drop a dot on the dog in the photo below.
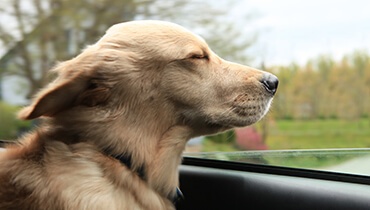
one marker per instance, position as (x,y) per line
(117,118)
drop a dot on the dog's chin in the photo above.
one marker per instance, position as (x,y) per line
(207,126)
(230,124)
(212,128)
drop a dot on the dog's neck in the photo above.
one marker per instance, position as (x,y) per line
(154,148)
(163,170)
(156,158)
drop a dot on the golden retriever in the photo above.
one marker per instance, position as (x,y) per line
(118,116)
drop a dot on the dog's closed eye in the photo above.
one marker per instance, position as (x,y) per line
(199,56)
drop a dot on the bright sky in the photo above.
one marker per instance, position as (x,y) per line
(292,30)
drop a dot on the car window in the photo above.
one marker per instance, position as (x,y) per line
(319,50)
(320,115)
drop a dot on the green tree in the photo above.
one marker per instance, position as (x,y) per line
(50,30)
(283,101)
(360,61)
(325,88)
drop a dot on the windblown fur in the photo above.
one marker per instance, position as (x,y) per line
(143,90)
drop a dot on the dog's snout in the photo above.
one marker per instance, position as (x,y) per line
(270,82)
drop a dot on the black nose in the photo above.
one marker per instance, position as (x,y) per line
(270,82)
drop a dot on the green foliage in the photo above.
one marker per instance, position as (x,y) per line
(324,88)
(223,138)
(220,142)
(211,146)
(9,124)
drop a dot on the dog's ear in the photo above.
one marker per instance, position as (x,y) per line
(54,99)
(67,92)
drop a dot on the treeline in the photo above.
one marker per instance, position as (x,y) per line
(324,88)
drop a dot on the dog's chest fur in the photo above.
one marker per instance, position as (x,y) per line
(54,175)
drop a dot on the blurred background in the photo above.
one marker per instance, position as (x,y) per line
(318,49)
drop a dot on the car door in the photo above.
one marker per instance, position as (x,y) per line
(215,184)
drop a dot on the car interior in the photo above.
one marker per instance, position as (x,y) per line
(215,184)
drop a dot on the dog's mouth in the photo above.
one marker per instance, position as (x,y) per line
(237,115)
(245,115)
(248,111)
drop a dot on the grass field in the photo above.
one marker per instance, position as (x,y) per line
(307,134)
(319,134)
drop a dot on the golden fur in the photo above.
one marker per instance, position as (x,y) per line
(143,90)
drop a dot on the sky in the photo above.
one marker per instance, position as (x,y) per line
(292,30)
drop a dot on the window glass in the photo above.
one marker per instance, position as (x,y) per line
(319,50)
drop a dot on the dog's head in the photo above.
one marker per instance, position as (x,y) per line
(155,72)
